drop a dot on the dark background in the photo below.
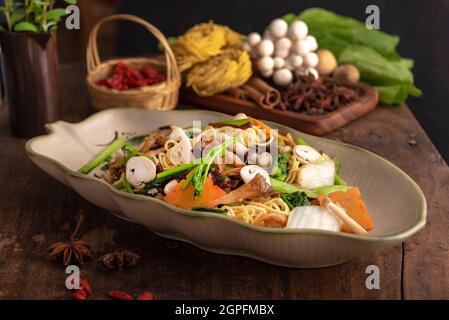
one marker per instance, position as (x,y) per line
(423,26)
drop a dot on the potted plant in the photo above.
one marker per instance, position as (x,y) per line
(30,63)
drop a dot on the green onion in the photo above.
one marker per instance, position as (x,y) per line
(213,210)
(103,155)
(237,123)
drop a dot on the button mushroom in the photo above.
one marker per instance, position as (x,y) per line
(298,30)
(140,170)
(283,77)
(278,28)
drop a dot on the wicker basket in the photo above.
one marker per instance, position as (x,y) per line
(161,96)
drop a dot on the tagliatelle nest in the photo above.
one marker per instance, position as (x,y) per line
(212,59)
(230,69)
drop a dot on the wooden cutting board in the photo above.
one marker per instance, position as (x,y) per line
(317,125)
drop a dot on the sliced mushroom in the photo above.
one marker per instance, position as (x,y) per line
(169,187)
(140,170)
(248,173)
(306,153)
(184,150)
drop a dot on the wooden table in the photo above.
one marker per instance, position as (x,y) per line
(36,211)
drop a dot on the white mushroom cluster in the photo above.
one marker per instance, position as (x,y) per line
(284,51)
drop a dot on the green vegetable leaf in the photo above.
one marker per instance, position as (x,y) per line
(300,141)
(25,27)
(17,16)
(71,1)
(56,14)
(281,166)
(392,95)
(295,199)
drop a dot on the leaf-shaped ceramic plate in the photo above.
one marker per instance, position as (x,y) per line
(395,201)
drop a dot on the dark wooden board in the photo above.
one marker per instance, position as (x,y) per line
(36,210)
(317,125)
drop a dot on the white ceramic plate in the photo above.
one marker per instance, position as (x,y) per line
(395,201)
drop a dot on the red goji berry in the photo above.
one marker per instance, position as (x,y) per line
(119,295)
(85,286)
(146,296)
(80,294)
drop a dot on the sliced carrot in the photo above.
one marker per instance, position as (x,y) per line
(268,129)
(185,199)
(355,207)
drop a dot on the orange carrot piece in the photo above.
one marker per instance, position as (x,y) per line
(355,207)
(184,198)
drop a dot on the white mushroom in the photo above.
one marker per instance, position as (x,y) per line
(281,53)
(283,77)
(295,61)
(169,187)
(265,48)
(278,28)
(306,153)
(253,39)
(265,63)
(278,62)
(283,44)
(301,47)
(249,172)
(267,74)
(313,44)
(298,30)
(311,60)
(140,170)
(247,47)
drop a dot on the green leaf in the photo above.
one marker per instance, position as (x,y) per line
(71,1)
(55,14)
(25,27)
(295,199)
(237,123)
(17,16)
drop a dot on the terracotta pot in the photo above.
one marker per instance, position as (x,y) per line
(31,78)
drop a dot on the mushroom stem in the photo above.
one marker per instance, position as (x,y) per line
(341,213)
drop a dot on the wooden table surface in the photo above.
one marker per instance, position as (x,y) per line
(36,210)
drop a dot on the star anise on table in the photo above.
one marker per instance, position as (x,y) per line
(119,259)
(72,248)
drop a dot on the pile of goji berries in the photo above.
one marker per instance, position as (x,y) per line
(84,291)
(125,77)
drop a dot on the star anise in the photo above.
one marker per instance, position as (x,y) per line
(72,248)
(119,259)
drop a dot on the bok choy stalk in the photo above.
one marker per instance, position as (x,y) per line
(199,174)
(288,188)
(103,155)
